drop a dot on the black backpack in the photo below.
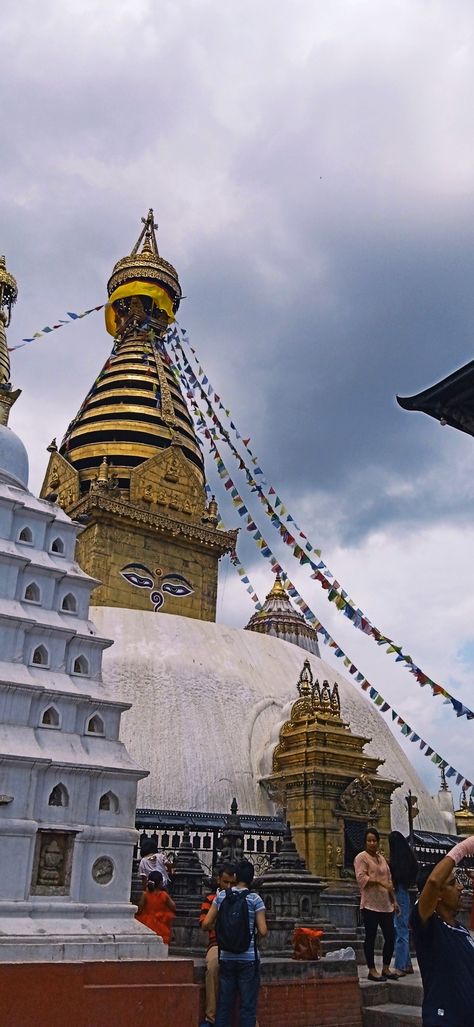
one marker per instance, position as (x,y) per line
(232,925)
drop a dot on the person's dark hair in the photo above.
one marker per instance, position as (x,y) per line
(227,868)
(371,830)
(403,862)
(245,872)
(148,846)
(155,880)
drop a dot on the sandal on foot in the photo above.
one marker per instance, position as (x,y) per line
(377,980)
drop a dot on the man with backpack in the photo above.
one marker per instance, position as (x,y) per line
(225,878)
(239,916)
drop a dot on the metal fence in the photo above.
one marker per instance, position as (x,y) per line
(261,835)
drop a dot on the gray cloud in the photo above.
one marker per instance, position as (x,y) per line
(312,174)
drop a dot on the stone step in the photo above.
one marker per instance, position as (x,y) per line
(405,992)
(392,1015)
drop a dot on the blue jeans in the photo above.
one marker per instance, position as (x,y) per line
(242,976)
(402,933)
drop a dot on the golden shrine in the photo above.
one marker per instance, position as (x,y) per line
(130,467)
(330,789)
(464,817)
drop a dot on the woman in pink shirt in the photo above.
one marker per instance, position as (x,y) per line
(377,902)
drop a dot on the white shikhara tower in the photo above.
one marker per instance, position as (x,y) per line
(68,786)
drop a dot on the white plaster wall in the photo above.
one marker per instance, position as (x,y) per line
(208,701)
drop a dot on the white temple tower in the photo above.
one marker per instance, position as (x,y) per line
(68,785)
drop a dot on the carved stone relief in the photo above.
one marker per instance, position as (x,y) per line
(52,863)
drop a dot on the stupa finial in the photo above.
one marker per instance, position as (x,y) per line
(147,234)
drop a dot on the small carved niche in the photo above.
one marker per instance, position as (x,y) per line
(52,863)
(109,802)
(59,796)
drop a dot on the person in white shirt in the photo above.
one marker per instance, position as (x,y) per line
(153,860)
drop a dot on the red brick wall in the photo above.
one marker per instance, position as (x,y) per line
(311,1003)
(109,994)
(122,994)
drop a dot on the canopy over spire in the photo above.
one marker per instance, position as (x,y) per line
(145,274)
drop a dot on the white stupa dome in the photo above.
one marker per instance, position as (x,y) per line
(208,703)
(13,459)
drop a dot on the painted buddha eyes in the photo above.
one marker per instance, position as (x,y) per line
(172,584)
(131,573)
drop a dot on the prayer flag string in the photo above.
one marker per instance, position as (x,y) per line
(71,316)
(288,529)
(262,545)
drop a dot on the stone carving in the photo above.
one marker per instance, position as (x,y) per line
(52,864)
(359,797)
(103,870)
(231,842)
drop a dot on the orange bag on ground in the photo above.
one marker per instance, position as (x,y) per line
(307,943)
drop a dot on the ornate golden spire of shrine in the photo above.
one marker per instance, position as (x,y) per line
(278,617)
(130,458)
(8,296)
(324,779)
(135,407)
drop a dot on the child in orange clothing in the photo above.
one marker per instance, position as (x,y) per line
(156,908)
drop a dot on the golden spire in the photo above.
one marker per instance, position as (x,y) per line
(135,408)
(277,590)
(8,296)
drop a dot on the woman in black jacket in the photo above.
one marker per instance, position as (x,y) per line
(404,868)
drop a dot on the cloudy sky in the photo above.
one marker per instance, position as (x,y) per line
(311,169)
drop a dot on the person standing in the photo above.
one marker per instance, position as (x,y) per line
(378,904)
(225,877)
(404,869)
(444,948)
(239,972)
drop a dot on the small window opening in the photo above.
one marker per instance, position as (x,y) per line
(109,802)
(32,593)
(26,535)
(57,546)
(69,603)
(59,796)
(40,656)
(95,725)
(81,665)
(50,717)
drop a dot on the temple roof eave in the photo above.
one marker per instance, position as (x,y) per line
(197,534)
(450,400)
